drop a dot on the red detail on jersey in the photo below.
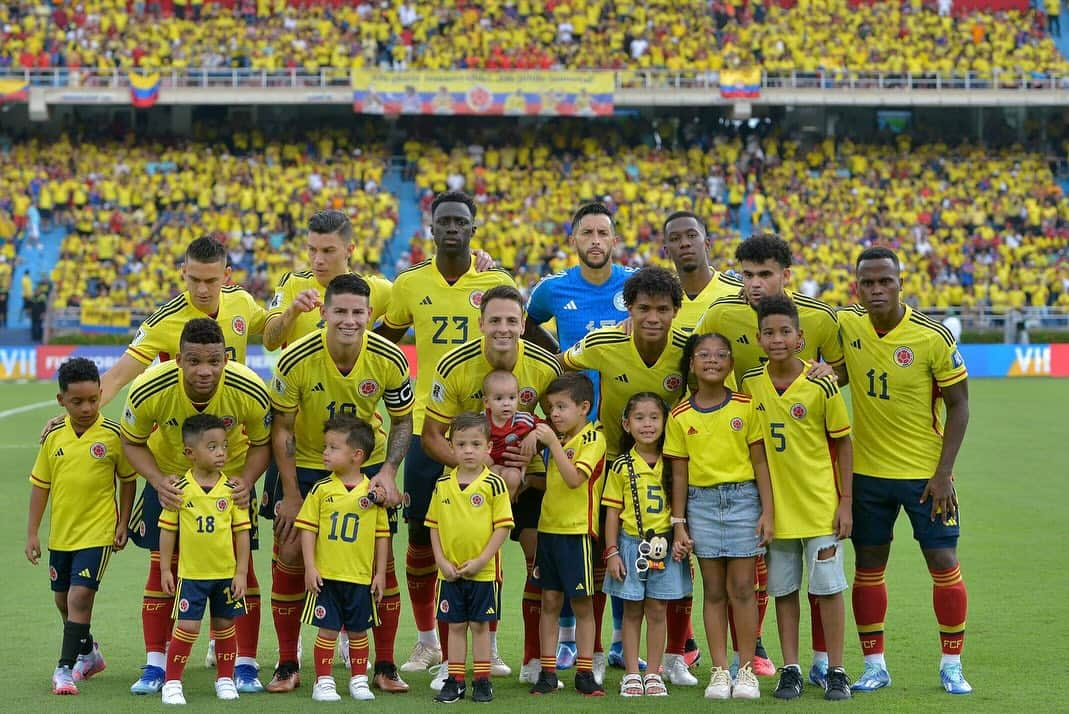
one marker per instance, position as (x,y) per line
(222,504)
(672,382)
(229,422)
(238,325)
(98,450)
(736,424)
(798,410)
(903,356)
(528,395)
(368,387)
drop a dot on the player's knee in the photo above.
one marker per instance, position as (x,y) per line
(552,600)
(80,601)
(941,558)
(477,628)
(655,610)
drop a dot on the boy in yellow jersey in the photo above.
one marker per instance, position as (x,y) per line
(568,527)
(440,299)
(904,364)
(343,369)
(199,380)
(469,517)
(345,540)
(810,461)
(77,465)
(294,309)
(213,564)
(686,243)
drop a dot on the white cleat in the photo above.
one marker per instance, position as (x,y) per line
(498,668)
(172,692)
(423,657)
(676,671)
(225,689)
(325,690)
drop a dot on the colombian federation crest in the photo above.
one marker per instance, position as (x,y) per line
(238,325)
(183,605)
(229,422)
(672,382)
(736,424)
(798,410)
(903,356)
(476,500)
(444,607)
(222,504)
(475,297)
(320,612)
(368,387)
(528,395)
(98,450)
(365,503)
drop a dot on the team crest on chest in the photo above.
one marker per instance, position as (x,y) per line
(618,301)
(229,422)
(475,297)
(476,500)
(368,387)
(672,382)
(238,325)
(528,395)
(798,410)
(222,504)
(903,356)
(570,453)
(736,424)
(365,503)
(98,450)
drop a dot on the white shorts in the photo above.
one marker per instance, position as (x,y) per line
(784,560)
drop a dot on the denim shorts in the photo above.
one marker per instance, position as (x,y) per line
(723,520)
(785,559)
(672,583)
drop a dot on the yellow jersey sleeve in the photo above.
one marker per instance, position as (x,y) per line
(501,510)
(168,520)
(41,475)
(613,495)
(447,392)
(433,517)
(948,366)
(283,296)
(398,312)
(308,516)
(836,418)
(158,335)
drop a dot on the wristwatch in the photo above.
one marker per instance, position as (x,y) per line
(677,521)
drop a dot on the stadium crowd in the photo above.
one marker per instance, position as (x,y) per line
(812,35)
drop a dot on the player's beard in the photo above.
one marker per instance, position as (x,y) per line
(585,260)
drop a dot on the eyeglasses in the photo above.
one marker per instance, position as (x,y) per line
(709,354)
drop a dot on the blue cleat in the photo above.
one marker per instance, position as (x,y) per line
(151,681)
(247,679)
(566,654)
(616,657)
(954,680)
(818,673)
(874,677)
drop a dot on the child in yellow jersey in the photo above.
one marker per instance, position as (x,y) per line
(641,568)
(345,539)
(805,422)
(721,503)
(213,561)
(77,465)
(469,518)
(568,526)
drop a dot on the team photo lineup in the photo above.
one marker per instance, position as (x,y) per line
(671,426)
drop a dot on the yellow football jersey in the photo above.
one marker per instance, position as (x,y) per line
(157,405)
(206,524)
(467,516)
(346,524)
(623,373)
(239,315)
(443,316)
(799,427)
(716,441)
(653,502)
(722,285)
(736,319)
(291,284)
(80,473)
(574,511)
(895,381)
(307,381)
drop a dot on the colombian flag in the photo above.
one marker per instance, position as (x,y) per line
(144,89)
(14,90)
(740,83)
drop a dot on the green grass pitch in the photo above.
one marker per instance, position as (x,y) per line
(1010,486)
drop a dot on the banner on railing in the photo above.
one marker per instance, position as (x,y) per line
(516,93)
(144,89)
(14,90)
(740,83)
(94,318)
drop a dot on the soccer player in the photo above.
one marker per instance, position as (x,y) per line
(765,264)
(646,360)
(807,438)
(344,369)
(213,563)
(686,244)
(456,386)
(77,465)
(439,298)
(345,542)
(200,379)
(903,365)
(470,516)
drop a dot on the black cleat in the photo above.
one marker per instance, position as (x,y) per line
(838,685)
(452,691)
(586,685)
(790,684)
(482,691)
(547,683)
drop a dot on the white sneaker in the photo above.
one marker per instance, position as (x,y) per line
(343,648)
(719,684)
(676,671)
(441,673)
(746,685)
(598,666)
(359,690)
(209,658)
(498,668)
(225,689)
(423,657)
(172,692)
(325,690)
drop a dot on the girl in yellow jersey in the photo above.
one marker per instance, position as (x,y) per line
(721,503)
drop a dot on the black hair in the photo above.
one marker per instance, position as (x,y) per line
(346,284)
(207,249)
(592,209)
(878,252)
(201,331)
(576,385)
(358,433)
(197,424)
(77,369)
(470,420)
(331,221)
(777,305)
(768,246)
(627,441)
(684,214)
(453,197)
(653,280)
(688,354)
(501,292)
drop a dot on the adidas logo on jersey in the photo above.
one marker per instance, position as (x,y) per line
(744,340)
(426,301)
(691,431)
(172,422)
(446,502)
(189,504)
(59,452)
(570,305)
(490,611)
(856,344)
(622,378)
(761,407)
(318,387)
(579,588)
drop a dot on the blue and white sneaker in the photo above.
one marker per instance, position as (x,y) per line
(818,673)
(566,655)
(151,681)
(953,679)
(247,679)
(616,657)
(874,677)
(733,668)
